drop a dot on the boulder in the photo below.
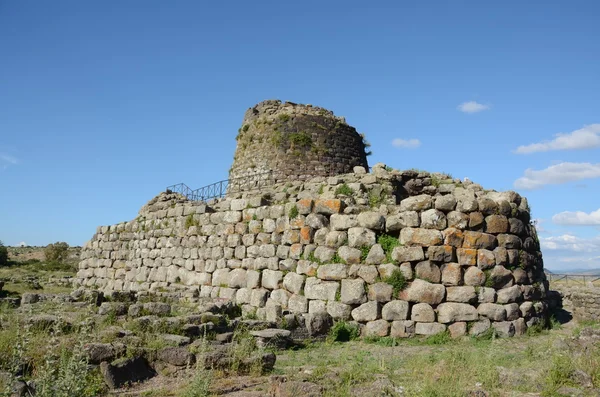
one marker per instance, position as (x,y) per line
(126,371)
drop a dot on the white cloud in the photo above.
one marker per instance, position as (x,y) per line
(577,218)
(538,225)
(557,174)
(8,159)
(584,138)
(406,143)
(472,107)
(570,242)
(22,244)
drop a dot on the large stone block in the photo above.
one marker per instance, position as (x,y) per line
(293,282)
(407,254)
(479,240)
(421,237)
(271,278)
(378,328)
(321,290)
(353,291)
(360,237)
(429,328)
(395,310)
(371,220)
(433,219)
(428,271)
(380,292)
(422,291)
(343,222)
(416,203)
(332,271)
(422,312)
(464,294)
(366,312)
(492,311)
(450,312)
(451,274)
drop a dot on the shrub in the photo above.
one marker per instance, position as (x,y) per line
(343,332)
(3,255)
(57,252)
(284,117)
(397,281)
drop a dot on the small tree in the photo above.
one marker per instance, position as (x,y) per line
(3,255)
(57,252)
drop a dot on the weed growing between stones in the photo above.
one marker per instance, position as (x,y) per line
(293,212)
(344,190)
(388,243)
(397,281)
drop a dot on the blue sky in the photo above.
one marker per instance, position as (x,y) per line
(104,104)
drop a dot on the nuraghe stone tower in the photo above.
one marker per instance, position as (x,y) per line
(295,142)
(397,252)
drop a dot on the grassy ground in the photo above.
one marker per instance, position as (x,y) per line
(558,362)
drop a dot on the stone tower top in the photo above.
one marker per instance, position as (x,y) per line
(295,142)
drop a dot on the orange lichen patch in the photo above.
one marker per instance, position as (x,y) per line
(306,234)
(328,207)
(295,250)
(479,240)
(453,237)
(467,256)
(305,206)
(297,222)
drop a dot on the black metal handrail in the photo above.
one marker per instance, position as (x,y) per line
(221,188)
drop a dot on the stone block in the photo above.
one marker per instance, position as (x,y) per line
(407,254)
(457,329)
(342,222)
(339,310)
(332,271)
(376,255)
(378,328)
(466,256)
(416,203)
(271,278)
(422,312)
(371,220)
(366,312)
(428,271)
(464,294)
(402,329)
(429,328)
(380,292)
(353,291)
(433,219)
(442,253)
(509,295)
(321,290)
(504,329)
(492,311)
(420,237)
(496,224)
(328,206)
(360,237)
(451,274)
(450,312)
(395,310)
(422,291)
(479,240)
(293,282)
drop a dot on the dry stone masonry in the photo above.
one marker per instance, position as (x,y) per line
(295,141)
(339,246)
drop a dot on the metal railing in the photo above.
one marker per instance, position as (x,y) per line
(576,279)
(221,188)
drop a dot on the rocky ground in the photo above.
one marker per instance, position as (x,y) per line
(59,342)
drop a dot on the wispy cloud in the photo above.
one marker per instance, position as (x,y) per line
(406,143)
(569,242)
(577,218)
(8,159)
(584,138)
(557,174)
(472,107)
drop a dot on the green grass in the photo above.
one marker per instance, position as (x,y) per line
(388,243)
(293,213)
(344,190)
(397,281)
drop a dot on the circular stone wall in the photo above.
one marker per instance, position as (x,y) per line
(295,142)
